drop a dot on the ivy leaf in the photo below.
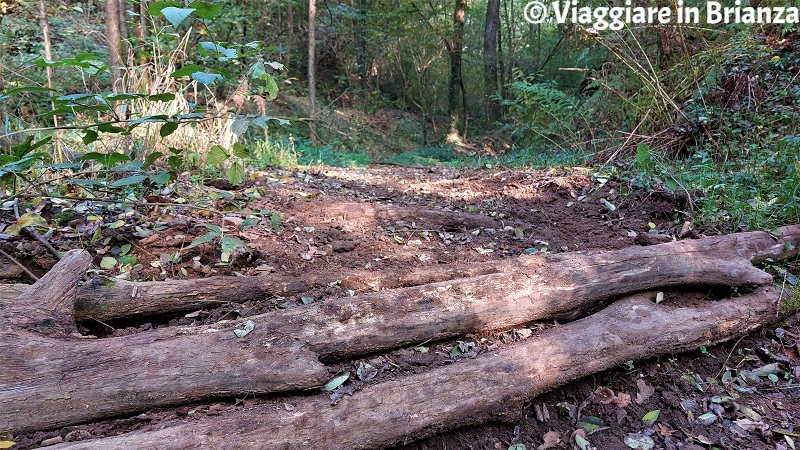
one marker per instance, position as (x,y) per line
(176,15)
(216,155)
(235,174)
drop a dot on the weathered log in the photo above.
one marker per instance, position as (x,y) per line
(108,299)
(282,352)
(493,386)
(49,377)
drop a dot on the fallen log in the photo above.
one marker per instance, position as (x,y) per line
(50,376)
(107,299)
(283,351)
(493,386)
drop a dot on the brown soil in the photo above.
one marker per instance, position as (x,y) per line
(396,219)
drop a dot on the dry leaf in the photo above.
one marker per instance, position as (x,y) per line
(645,391)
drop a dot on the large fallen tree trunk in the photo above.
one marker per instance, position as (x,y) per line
(108,299)
(494,386)
(44,382)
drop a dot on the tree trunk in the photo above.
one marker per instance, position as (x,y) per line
(43,384)
(455,84)
(111,299)
(60,157)
(490,60)
(362,48)
(493,386)
(312,69)
(114,44)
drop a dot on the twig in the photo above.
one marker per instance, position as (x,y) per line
(24,269)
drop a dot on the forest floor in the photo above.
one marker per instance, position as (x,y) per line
(387,218)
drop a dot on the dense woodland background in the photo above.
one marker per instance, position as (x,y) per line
(707,112)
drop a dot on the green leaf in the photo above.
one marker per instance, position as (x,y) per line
(228,244)
(175,162)
(108,263)
(235,174)
(205,10)
(239,127)
(155,8)
(651,417)
(216,155)
(90,137)
(165,97)
(161,178)
(151,158)
(223,53)
(248,327)
(240,150)
(26,220)
(186,71)
(168,128)
(208,237)
(125,249)
(336,382)
(127,181)
(207,78)
(590,423)
(213,228)
(6,444)
(176,15)
(639,441)
(271,87)
(108,128)
(127,260)
(117,224)
(108,160)
(582,443)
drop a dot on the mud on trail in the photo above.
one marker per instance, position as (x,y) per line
(352,229)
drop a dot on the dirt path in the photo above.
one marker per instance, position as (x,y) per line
(353,223)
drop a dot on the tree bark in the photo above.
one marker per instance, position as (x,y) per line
(110,299)
(312,69)
(491,31)
(114,44)
(43,383)
(455,84)
(493,386)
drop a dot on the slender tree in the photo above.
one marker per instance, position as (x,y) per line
(48,53)
(362,47)
(491,31)
(456,83)
(114,44)
(312,67)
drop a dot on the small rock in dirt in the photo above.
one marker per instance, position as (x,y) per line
(620,415)
(77,435)
(551,440)
(344,246)
(233,220)
(216,409)
(206,270)
(183,411)
(178,221)
(197,265)
(52,441)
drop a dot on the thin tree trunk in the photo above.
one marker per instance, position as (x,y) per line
(362,48)
(312,68)
(114,44)
(491,31)
(49,55)
(455,85)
